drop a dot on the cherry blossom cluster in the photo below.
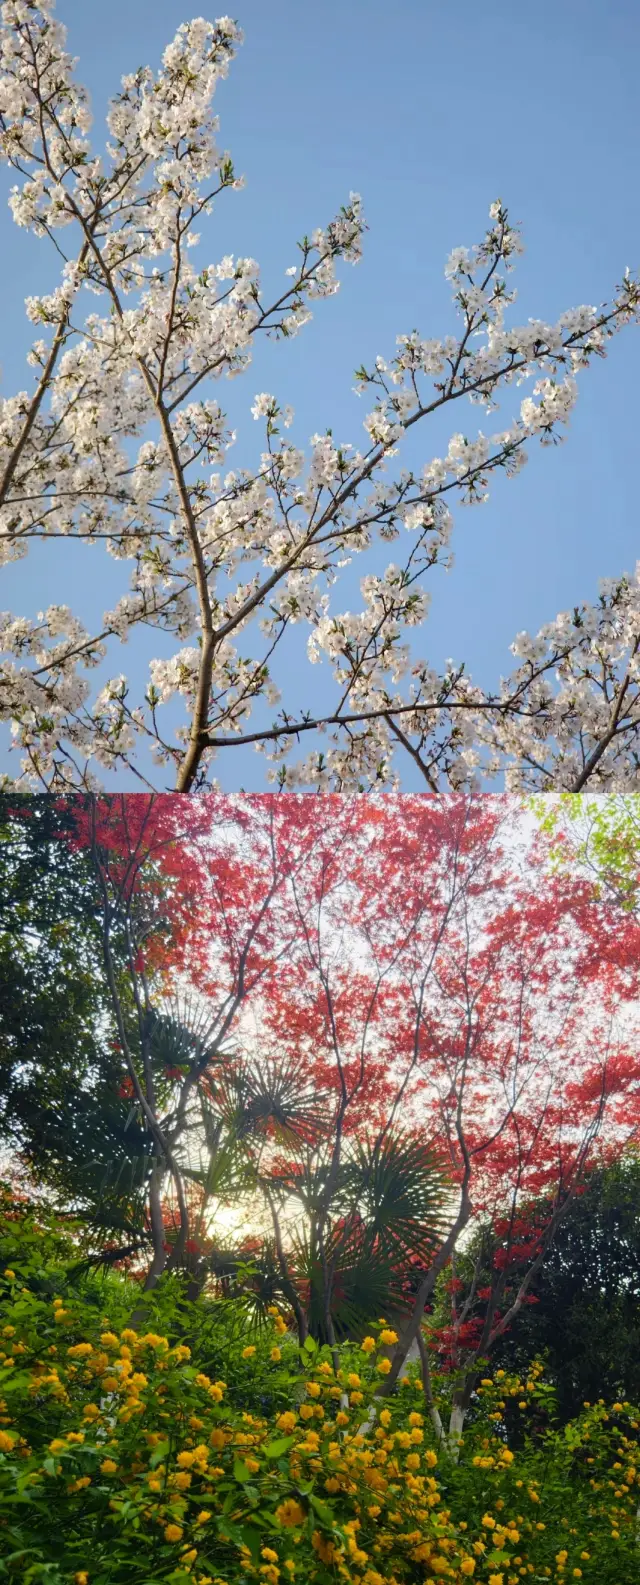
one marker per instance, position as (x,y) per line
(120,442)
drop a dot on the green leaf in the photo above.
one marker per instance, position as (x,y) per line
(251,1538)
(322,1509)
(230,1531)
(268,1519)
(240,1471)
(277,1448)
(310,1346)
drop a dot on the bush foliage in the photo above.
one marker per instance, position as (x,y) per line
(129,1455)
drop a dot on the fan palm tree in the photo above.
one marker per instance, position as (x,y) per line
(356,1236)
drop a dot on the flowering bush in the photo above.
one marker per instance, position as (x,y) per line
(123,1462)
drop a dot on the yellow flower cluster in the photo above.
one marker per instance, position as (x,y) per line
(348,1490)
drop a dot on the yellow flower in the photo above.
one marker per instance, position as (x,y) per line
(389,1337)
(185,1460)
(153,1340)
(577,1573)
(342,1418)
(247,1353)
(173,1532)
(431,1458)
(79,1350)
(275,1355)
(9,1273)
(487,1522)
(108,1466)
(182,1480)
(368,1344)
(81,1577)
(467,1565)
(384,1366)
(108,1340)
(6,1442)
(189,1556)
(91,1412)
(269,1555)
(57,1445)
(313,1389)
(353,1380)
(290,1513)
(495,1579)
(286,1421)
(325,1548)
(385,1417)
(204,1517)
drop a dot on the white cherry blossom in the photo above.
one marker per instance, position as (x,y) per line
(118,440)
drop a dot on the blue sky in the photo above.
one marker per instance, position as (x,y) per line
(430,111)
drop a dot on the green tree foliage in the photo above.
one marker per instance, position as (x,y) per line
(584,1318)
(60,1106)
(600,836)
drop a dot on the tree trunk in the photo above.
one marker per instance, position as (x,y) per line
(456,1422)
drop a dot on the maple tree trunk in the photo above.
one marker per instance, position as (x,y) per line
(459,1411)
(157,1229)
(434,1412)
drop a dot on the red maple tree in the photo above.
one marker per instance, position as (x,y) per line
(434,978)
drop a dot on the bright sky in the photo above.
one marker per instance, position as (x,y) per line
(430,110)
